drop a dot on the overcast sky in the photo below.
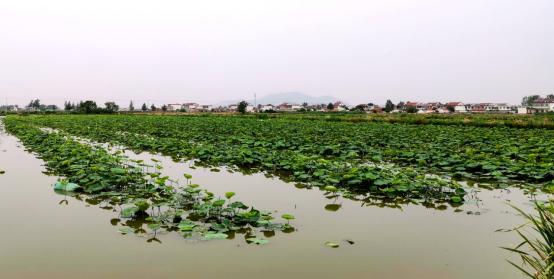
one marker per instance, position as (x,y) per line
(208,51)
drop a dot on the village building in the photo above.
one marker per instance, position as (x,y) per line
(265,108)
(173,107)
(205,108)
(10,108)
(498,108)
(522,110)
(339,106)
(288,107)
(543,105)
(458,107)
(191,107)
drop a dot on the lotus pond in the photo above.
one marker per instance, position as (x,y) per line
(167,197)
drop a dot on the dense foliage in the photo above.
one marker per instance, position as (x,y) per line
(387,160)
(545,121)
(120,182)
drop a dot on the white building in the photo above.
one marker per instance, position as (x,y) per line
(288,107)
(190,107)
(459,107)
(498,108)
(173,107)
(543,105)
(522,110)
(206,108)
(267,107)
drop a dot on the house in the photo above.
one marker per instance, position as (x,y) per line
(173,107)
(233,107)
(191,107)
(498,108)
(418,106)
(9,108)
(410,105)
(522,110)
(478,108)
(433,106)
(288,107)
(542,105)
(205,108)
(459,107)
(268,107)
(339,106)
(377,109)
(442,110)
(220,109)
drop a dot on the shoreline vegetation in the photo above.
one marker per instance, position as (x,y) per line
(140,196)
(525,121)
(536,249)
(420,163)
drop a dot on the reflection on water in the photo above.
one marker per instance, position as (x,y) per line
(47,235)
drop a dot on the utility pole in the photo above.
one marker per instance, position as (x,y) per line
(255,102)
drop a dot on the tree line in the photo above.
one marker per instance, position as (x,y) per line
(529,100)
(90,107)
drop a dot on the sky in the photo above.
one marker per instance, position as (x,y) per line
(210,51)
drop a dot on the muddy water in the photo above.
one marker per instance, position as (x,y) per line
(40,238)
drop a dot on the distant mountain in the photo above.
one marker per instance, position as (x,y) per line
(288,97)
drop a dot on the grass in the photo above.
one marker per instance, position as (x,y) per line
(537,252)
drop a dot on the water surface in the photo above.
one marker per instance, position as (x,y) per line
(41,238)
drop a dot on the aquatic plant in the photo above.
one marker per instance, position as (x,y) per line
(536,252)
(144,197)
(411,162)
(332,244)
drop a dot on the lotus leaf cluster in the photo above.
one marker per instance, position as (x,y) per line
(144,198)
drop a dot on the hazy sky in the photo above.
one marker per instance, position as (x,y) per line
(207,51)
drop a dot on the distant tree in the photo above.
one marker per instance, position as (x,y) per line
(34,104)
(305,105)
(450,109)
(411,109)
(550,96)
(389,106)
(144,107)
(89,107)
(131,106)
(330,106)
(153,107)
(528,100)
(360,107)
(164,108)
(400,105)
(48,108)
(111,107)
(241,107)
(67,106)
